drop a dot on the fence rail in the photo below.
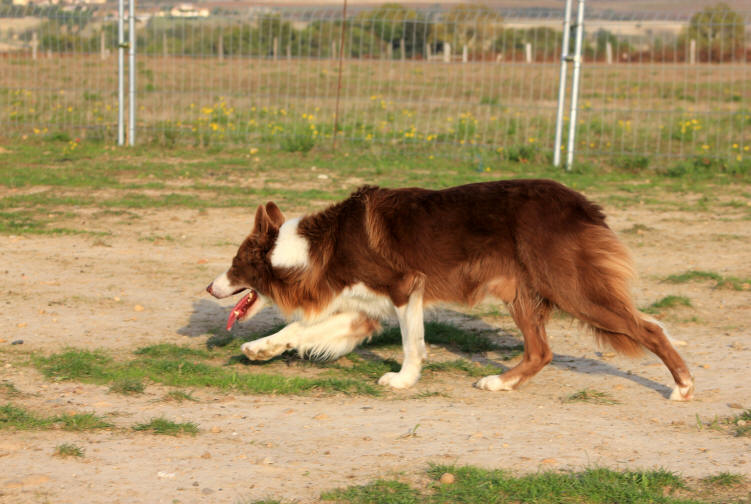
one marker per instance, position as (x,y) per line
(467,76)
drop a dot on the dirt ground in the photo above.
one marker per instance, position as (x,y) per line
(144,284)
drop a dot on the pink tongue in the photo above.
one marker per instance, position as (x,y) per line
(240,309)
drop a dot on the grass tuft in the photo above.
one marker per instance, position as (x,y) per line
(739,284)
(179,396)
(666,303)
(15,417)
(167,427)
(592,397)
(127,386)
(68,450)
(725,479)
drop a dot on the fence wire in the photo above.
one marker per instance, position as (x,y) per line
(652,85)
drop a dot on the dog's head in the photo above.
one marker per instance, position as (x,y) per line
(251,267)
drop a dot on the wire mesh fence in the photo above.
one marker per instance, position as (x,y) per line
(652,85)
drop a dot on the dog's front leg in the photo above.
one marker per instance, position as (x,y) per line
(413,342)
(269,347)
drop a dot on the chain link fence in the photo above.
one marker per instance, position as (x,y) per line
(651,86)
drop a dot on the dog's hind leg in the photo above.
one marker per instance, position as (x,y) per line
(530,314)
(331,338)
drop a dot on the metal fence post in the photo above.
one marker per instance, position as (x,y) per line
(120,73)
(132,72)
(562,85)
(575,85)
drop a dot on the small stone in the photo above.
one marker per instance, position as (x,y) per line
(206,455)
(138,307)
(447,479)
(207,491)
(21,325)
(549,461)
(735,405)
(320,416)
(203,261)
(705,366)
(195,483)
(216,430)
(17,342)
(165,475)
(289,411)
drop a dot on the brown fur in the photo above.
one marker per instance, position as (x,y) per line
(534,244)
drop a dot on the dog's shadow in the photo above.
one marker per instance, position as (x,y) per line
(208,316)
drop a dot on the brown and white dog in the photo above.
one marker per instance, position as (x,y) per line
(532,244)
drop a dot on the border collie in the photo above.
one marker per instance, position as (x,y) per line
(535,245)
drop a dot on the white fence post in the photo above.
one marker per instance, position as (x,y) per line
(120,73)
(465,54)
(447,53)
(562,85)
(528,52)
(34,45)
(609,52)
(132,72)
(692,52)
(575,85)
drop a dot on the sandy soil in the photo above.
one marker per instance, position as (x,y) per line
(84,291)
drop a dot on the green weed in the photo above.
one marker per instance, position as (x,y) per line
(739,284)
(127,386)
(68,450)
(666,303)
(167,427)
(21,419)
(725,479)
(591,396)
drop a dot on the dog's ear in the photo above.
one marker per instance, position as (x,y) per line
(275,215)
(267,220)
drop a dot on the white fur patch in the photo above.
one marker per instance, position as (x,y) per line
(496,382)
(685,393)
(221,286)
(290,250)
(356,298)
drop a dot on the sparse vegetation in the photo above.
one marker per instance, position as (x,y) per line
(592,397)
(167,427)
(739,284)
(127,386)
(16,417)
(69,450)
(667,303)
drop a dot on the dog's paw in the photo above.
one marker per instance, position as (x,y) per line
(260,350)
(398,380)
(496,382)
(685,393)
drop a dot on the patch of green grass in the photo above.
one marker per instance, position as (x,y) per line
(127,386)
(96,367)
(725,479)
(19,418)
(666,303)
(591,396)
(440,333)
(472,369)
(637,229)
(739,284)
(179,396)
(378,492)
(163,426)
(82,422)
(68,450)
(9,390)
(742,424)
(473,485)
(172,351)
